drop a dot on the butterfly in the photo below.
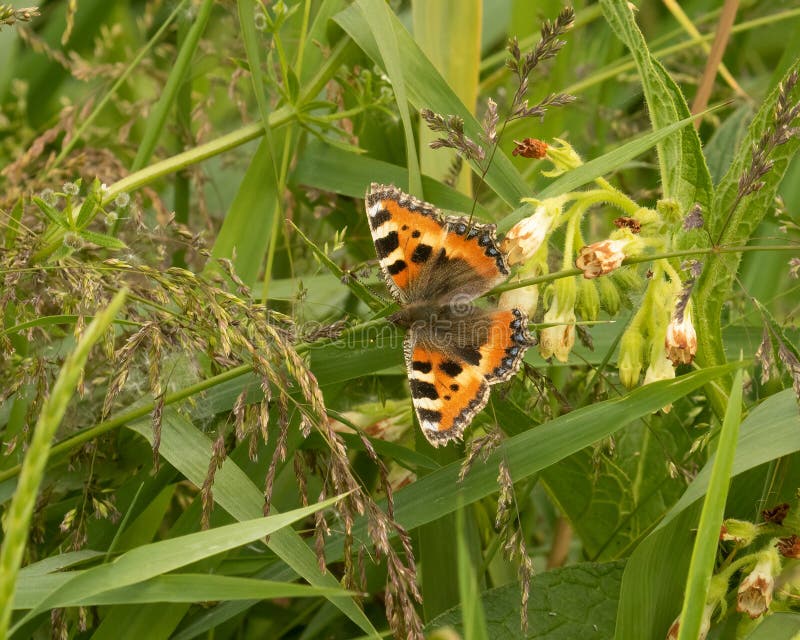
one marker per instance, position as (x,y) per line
(435,265)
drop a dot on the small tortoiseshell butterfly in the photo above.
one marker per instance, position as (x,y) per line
(435,266)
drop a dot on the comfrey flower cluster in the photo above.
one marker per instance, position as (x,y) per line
(768,576)
(661,335)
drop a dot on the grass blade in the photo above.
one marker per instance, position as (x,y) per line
(704,554)
(24,500)
(158,119)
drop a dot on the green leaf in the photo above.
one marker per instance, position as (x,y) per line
(731,222)
(573,602)
(704,554)
(777,626)
(614,501)
(471,607)
(440,28)
(438,493)
(173,587)
(55,216)
(329,168)
(89,205)
(652,587)
(164,556)
(244,237)
(102,240)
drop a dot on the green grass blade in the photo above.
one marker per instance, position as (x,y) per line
(704,554)
(158,118)
(33,467)
(244,237)
(333,169)
(441,28)
(162,557)
(379,18)
(471,607)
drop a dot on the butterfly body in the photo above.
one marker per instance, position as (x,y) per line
(435,266)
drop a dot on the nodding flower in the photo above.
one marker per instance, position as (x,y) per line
(681,341)
(755,591)
(600,258)
(526,237)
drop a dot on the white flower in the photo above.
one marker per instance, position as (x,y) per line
(755,591)
(681,342)
(558,340)
(526,237)
(600,258)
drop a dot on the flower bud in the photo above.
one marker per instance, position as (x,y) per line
(558,340)
(563,157)
(681,342)
(526,237)
(610,298)
(629,362)
(600,258)
(755,592)
(742,532)
(588,300)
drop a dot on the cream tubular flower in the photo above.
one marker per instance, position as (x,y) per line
(558,340)
(600,258)
(755,591)
(680,344)
(526,237)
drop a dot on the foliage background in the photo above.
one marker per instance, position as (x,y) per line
(244,140)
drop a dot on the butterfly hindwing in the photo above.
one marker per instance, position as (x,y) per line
(446,392)
(451,365)
(425,256)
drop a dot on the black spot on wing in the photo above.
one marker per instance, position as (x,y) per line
(429,415)
(423,367)
(416,234)
(379,218)
(421,253)
(396,267)
(451,368)
(454,387)
(470,355)
(420,389)
(388,243)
